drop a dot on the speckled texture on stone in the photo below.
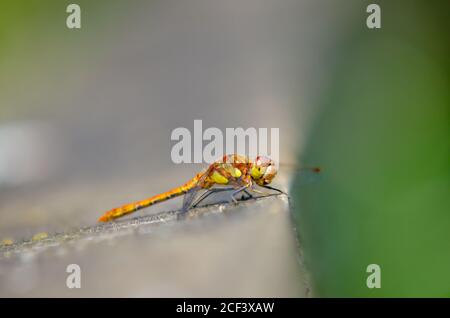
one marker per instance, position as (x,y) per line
(222,250)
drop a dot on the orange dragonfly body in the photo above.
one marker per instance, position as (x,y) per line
(236,172)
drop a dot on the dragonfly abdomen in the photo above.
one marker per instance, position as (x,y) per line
(132,207)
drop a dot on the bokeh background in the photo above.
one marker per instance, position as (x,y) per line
(382,135)
(86,117)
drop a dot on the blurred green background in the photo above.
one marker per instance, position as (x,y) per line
(38,54)
(382,137)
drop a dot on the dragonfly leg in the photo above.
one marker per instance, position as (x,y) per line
(250,196)
(232,197)
(274,189)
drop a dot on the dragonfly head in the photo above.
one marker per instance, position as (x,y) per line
(263,170)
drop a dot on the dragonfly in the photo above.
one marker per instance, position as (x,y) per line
(233,173)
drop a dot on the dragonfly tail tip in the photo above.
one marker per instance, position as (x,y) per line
(103,218)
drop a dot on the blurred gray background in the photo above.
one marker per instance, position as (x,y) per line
(85,123)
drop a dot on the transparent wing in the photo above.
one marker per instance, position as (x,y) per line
(189,198)
(191,195)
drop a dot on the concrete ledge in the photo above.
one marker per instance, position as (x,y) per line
(220,250)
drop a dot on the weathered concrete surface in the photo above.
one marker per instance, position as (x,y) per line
(220,250)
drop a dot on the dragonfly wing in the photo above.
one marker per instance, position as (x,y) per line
(207,193)
(191,194)
(189,198)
